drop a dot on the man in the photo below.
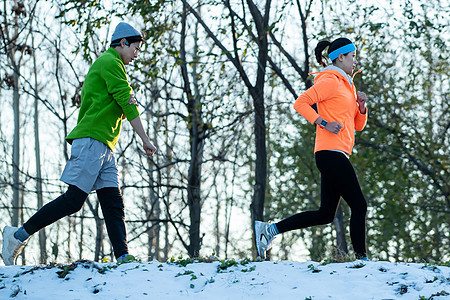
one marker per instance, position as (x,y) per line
(106,99)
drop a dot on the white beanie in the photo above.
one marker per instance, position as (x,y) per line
(124,30)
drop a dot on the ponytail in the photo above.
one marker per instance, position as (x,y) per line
(318,52)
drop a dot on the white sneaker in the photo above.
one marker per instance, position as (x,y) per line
(11,246)
(263,238)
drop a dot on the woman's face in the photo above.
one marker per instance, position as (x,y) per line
(348,62)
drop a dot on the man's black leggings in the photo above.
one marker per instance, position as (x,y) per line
(70,202)
(338,179)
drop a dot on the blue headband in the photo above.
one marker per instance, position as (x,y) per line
(344,50)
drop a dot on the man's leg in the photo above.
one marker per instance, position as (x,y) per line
(112,205)
(66,204)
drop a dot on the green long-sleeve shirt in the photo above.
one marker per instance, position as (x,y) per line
(104,98)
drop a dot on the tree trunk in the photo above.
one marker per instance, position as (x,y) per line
(99,229)
(81,242)
(154,212)
(156,226)
(17,205)
(194,197)
(196,134)
(257,94)
(169,155)
(257,206)
(153,228)
(99,226)
(216,221)
(40,202)
(10,45)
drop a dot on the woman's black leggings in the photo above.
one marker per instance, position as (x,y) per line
(338,179)
(70,202)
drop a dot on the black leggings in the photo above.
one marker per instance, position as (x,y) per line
(338,179)
(70,202)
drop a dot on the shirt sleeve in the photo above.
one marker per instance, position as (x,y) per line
(315,94)
(117,85)
(360,119)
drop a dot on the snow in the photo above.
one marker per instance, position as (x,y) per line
(237,279)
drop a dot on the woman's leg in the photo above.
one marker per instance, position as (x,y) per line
(329,201)
(352,194)
(337,178)
(343,177)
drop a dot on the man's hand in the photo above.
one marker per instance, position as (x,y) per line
(132,100)
(361,98)
(136,123)
(149,148)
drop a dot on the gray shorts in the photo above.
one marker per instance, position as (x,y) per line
(92,166)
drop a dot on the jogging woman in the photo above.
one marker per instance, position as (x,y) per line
(341,111)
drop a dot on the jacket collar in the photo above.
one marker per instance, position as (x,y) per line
(345,75)
(114,52)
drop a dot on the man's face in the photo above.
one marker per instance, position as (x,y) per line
(130,52)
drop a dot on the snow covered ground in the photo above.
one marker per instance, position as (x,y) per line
(226,279)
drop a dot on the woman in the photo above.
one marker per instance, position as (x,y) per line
(341,111)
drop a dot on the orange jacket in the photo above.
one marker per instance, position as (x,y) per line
(336,101)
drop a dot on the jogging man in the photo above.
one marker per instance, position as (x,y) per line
(106,100)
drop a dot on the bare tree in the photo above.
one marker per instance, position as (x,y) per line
(14,52)
(260,20)
(40,201)
(197,133)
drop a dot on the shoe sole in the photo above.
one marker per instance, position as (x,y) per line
(257,238)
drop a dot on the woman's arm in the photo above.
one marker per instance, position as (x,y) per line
(361,111)
(361,98)
(319,92)
(333,127)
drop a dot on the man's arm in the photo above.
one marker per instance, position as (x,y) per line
(149,148)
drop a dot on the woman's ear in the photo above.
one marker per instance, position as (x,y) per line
(341,57)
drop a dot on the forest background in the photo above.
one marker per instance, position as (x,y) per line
(216,81)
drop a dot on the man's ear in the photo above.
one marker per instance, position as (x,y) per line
(124,42)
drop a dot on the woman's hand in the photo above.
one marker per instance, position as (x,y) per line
(333,127)
(361,98)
